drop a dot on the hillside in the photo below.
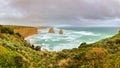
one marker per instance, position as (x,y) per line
(15,52)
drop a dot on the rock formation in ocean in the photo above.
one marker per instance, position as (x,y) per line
(51,30)
(60,31)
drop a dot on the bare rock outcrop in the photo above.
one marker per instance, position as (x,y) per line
(51,30)
(60,31)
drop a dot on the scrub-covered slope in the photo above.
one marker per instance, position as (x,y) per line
(15,52)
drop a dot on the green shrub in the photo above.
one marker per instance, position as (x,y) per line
(117,41)
(61,55)
(18,34)
(37,48)
(6,30)
(18,61)
(84,44)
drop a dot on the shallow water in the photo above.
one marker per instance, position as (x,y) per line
(72,37)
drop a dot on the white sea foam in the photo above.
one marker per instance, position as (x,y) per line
(87,33)
(65,46)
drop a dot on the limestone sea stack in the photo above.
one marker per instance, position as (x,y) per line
(60,31)
(51,30)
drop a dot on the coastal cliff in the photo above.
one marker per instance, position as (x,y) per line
(24,31)
(15,52)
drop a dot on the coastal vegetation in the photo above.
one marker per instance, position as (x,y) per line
(15,52)
(24,31)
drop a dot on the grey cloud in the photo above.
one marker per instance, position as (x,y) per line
(52,8)
(60,11)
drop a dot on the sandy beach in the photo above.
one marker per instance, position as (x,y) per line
(38,29)
(26,38)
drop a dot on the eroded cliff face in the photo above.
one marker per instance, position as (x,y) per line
(26,31)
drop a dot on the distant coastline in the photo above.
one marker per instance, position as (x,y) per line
(26,31)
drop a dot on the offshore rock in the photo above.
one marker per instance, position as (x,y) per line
(60,31)
(51,30)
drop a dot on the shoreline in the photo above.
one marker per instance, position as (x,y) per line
(26,38)
(30,36)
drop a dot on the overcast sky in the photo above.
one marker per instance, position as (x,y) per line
(60,12)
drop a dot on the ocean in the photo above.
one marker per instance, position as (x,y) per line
(72,37)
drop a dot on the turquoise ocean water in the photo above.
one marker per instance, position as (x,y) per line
(72,37)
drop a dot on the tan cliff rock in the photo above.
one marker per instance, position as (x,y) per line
(60,31)
(51,30)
